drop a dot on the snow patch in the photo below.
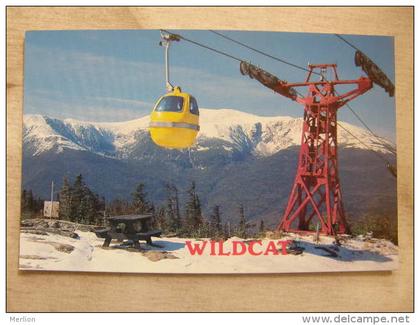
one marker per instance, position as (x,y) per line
(37,253)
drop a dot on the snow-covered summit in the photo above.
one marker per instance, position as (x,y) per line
(265,135)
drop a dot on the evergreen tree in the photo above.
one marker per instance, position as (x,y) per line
(30,207)
(91,211)
(84,203)
(193,217)
(161,219)
(261,228)
(153,212)
(114,207)
(38,206)
(23,204)
(172,211)
(23,201)
(204,230)
(100,204)
(87,212)
(119,207)
(140,204)
(101,211)
(215,222)
(241,232)
(30,201)
(77,193)
(226,230)
(65,200)
(25,208)
(81,214)
(178,221)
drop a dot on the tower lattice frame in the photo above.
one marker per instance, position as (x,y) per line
(316,191)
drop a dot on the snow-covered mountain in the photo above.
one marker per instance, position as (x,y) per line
(239,158)
(232,129)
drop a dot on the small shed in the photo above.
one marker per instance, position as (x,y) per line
(51,212)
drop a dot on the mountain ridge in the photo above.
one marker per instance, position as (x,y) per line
(266,134)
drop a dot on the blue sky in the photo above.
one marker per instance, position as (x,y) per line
(118,75)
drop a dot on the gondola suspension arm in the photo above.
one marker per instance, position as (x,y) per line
(166,43)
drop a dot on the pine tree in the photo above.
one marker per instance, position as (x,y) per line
(81,210)
(24,204)
(161,220)
(23,201)
(83,204)
(241,232)
(204,230)
(140,204)
(30,207)
(172,211)
(100,204)
(101,212)
(91,211)
(215,222)
(38,206)
(87,212)
(261,228)
(226,230)
(30,201)
(65,200)
(178,221)
(153,212)
(25,208)
(193,217)
(119,207)
(113,207)
(77,193)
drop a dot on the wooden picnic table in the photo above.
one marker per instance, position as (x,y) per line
(132,227)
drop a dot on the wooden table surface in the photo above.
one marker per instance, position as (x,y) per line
(356,291)
(130,217)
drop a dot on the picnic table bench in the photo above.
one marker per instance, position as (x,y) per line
(130,227)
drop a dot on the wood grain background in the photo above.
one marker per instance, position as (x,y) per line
(64,291)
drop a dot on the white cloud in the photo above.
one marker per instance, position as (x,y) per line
(85,75)
(93,109)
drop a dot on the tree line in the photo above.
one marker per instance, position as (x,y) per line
(78,203)
(30,206)
(181,219)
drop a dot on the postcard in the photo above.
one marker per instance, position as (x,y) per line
(208,151)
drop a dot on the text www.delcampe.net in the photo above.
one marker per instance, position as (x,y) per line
(356,319)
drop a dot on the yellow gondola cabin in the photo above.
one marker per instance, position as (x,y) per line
(174,122)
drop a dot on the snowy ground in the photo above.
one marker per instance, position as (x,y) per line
(55,252)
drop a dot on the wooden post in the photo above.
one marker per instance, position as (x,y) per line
(52,199)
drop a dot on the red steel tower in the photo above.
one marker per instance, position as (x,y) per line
(316,191)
